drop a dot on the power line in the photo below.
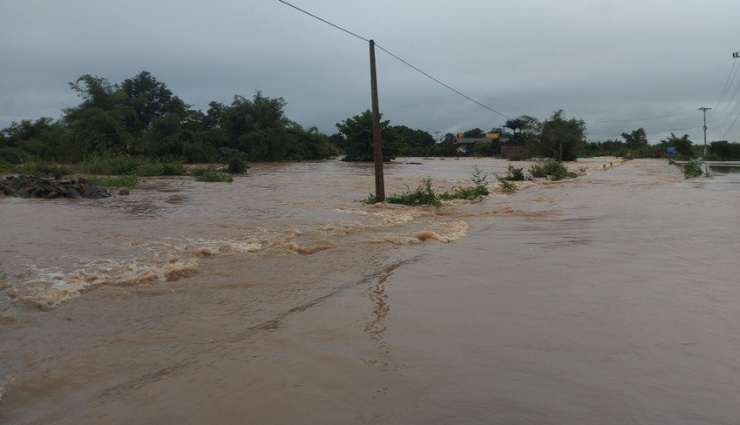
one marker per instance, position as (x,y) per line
(441,83)
(397,58)
(646,118)
(324,21)
(730,77)
(731,126)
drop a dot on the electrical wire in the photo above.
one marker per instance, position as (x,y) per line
(727,102)
(647,118)
(397,58)
(730,77)
(324,21)
(441,83)
(731,126)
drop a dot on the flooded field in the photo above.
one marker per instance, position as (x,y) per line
(279,298)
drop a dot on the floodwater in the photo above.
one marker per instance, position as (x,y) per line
(279,299)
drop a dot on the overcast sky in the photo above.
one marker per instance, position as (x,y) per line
(618,65)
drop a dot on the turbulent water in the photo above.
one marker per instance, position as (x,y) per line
(611,298)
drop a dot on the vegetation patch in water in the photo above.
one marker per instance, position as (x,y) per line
(425,194)
(693,168)
(212,175)
(552,170)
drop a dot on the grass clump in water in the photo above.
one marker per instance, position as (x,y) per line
(470,193)
(425,194)
(507,186)
(212,175)
(552,170)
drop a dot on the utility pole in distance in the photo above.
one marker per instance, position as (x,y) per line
(704,110)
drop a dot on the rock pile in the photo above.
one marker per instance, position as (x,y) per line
(47,186)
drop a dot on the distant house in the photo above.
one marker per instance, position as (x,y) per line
(512,148)
(466,144)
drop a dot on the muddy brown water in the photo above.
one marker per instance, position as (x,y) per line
(278,299)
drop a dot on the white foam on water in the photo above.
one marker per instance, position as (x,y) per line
(441,232)
(47,288)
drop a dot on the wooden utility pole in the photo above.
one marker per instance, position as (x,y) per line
(377,142)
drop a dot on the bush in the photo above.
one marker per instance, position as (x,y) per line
(13,155)
(237,166)
(693,168)
(214,176)
(507,186)
(43,167)
(5,167)
(425,195)
(236,160)
(551,170)
(173,168)
(111,164)
(514,174)
(468,193)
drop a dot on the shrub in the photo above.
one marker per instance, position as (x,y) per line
(237,166)
(236,160)
(43,167)
(111,164)
(13,155)
(477,177)
(468,193)
(5,167)
(552,170)
(173,168)
(214,176)
(507,186)
(693,168)
(425,195)
(514,174)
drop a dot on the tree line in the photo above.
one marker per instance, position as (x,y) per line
(141,117)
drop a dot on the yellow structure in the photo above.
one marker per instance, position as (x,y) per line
(488,135)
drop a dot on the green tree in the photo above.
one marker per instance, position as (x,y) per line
(636,140)
(562,138)
(515,124)
(95,92)
(413,142)
(474,133)
(39,138)
(447,147)
(529,130)
(682,144)
(358,138)
(150,99)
